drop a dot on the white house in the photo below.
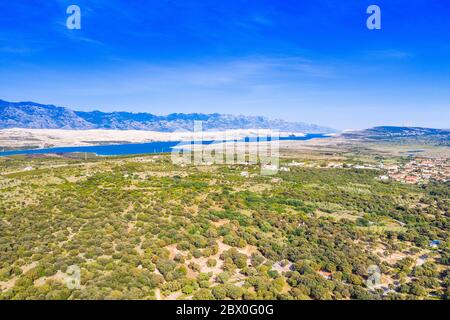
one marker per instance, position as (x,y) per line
(244,174)
(270,167)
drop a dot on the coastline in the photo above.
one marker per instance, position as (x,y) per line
(59,138)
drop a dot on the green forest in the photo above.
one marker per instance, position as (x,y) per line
(144,228)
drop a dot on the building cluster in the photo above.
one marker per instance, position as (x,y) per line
(336,165)
(413,172)
(420,171)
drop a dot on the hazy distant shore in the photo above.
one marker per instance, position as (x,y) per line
(44,138)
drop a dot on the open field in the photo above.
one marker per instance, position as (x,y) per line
(338,145)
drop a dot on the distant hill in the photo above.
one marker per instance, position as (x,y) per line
(401,134)
(38,116)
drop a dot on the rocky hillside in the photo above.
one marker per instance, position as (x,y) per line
(37,116)
(401,134)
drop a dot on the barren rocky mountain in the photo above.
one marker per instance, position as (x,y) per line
(38,116)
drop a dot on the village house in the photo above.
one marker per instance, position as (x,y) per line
(421,171)
(245,174)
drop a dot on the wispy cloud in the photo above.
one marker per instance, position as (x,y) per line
(228,77)
(388,54)
(17,44)
(244,74)
(263,20)
(17,50)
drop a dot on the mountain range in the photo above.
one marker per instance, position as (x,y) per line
(33,115)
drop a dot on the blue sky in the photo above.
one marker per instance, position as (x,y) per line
(312,61)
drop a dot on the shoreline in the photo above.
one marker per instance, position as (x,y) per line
(105,142)
(19,139)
